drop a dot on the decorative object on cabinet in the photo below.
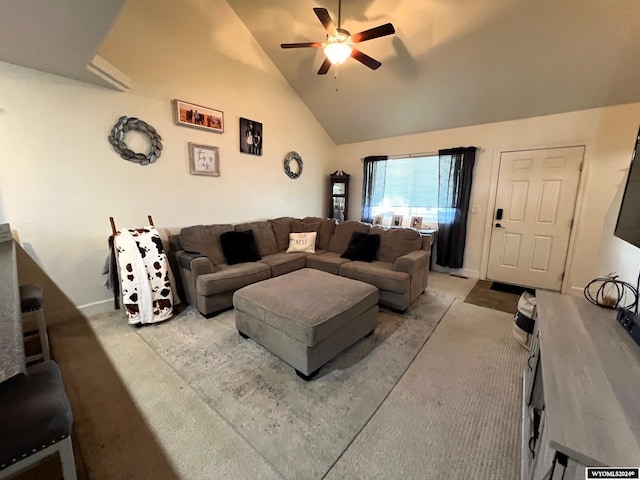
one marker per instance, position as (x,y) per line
(396,221)
(197,116)
(203,160)
(416,222)
(339,195)
(125,124)
(297,169)
(250,136)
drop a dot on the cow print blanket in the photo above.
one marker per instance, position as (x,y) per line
(147,294)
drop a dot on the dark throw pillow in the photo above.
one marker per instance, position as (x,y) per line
(362,247)
(239,247)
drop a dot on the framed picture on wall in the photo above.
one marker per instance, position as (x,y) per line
(416,222)
(396,221)
(251,136)
(203,160)
(197,116)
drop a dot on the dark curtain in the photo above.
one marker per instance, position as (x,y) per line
(375,168)
(454,191)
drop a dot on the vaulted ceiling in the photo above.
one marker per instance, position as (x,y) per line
(451,63)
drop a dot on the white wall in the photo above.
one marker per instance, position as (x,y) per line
(609,136)
(60,180)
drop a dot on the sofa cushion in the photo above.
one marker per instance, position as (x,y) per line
(281,229)
(281,263)
(379,274)
(327,262)
(239,247)
(205,239)
(362,247)
(263,233)
(396,242)
(231,277)
(325,232)
(342,235)
(302,242)
(301,227)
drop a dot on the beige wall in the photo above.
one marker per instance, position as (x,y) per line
(60,180)
(609,136)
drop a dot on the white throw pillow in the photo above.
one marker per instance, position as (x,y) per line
(302,242)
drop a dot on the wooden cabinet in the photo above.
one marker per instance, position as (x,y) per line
(580,392)
(339,195)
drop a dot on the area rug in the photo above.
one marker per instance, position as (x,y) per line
(301,428)
(455,413)
(515,289)
(484,296)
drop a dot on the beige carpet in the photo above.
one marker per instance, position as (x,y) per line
(135,418)
(455,413)
(300,427)
(145,408)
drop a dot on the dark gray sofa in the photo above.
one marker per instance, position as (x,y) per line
(400,271)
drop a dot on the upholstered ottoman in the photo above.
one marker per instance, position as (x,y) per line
(306,317)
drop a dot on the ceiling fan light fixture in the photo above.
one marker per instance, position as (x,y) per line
(337,51)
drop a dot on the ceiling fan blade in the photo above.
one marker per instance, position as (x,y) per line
(325,19)
(324,68)
(365,59)
(301,45)
(380,31)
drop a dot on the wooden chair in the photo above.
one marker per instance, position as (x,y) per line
(35,421)
(31,302)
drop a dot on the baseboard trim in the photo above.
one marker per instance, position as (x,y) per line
(576,291)
(102,306)
(461,272)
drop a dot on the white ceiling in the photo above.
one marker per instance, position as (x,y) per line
(451,63)
(60,37)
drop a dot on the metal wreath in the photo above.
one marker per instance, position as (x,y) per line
(293,156)
(116,139)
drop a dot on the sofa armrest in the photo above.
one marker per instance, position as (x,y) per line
(416,264)
(412,262)
(192,265)
(195,262)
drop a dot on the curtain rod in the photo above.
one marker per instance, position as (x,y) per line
(412,155)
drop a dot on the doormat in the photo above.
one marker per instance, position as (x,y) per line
(483,296)
(515,289)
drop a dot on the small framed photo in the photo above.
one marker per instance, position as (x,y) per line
(197,116)
(377,220)
(396,221)
(416,222)
(203,160)
(251,136)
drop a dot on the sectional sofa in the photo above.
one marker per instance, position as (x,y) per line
(400,270)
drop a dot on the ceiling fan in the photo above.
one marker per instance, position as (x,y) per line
(339,44)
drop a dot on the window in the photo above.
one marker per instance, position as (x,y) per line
(407,186)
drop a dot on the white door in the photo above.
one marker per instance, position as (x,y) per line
(533,216)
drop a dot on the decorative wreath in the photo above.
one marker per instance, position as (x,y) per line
(122,126)
(292,156)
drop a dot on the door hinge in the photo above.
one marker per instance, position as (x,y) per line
(581,165)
